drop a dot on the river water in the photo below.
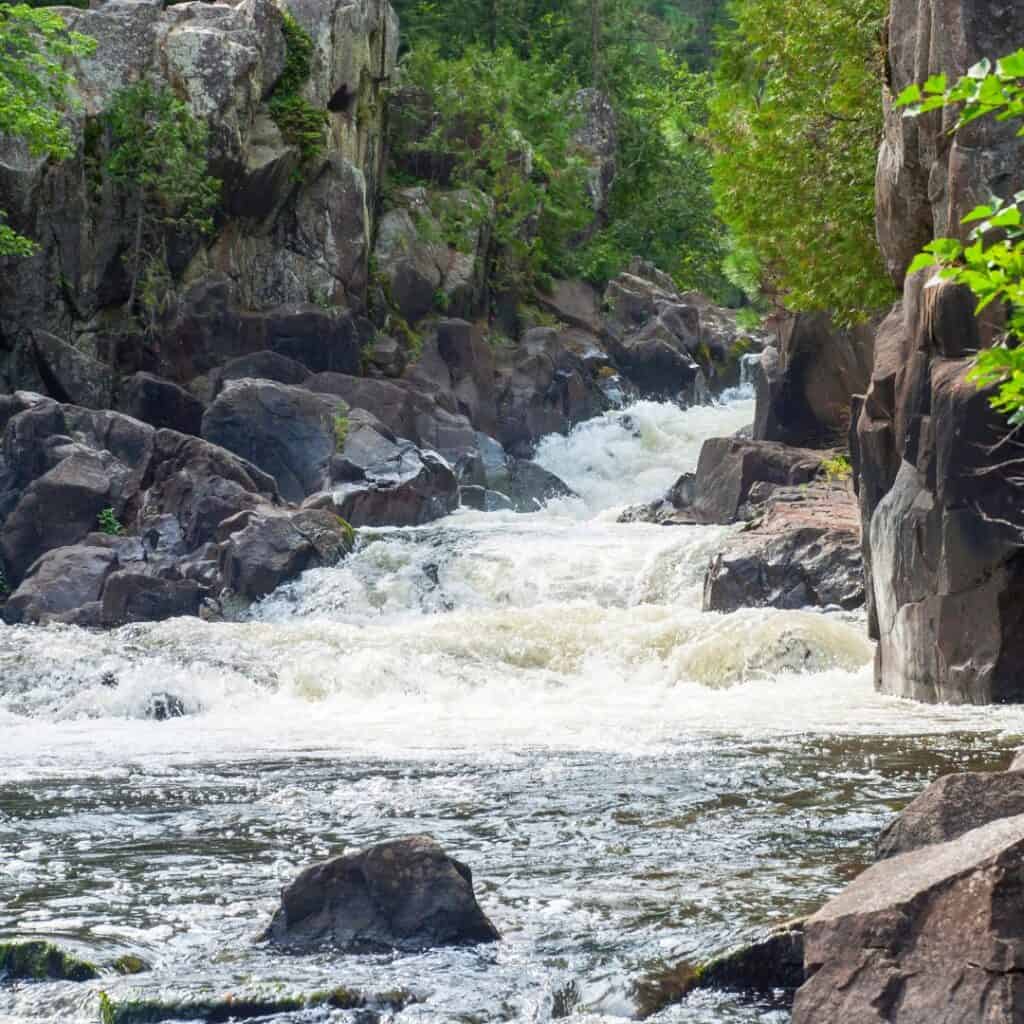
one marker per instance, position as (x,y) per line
(633,782)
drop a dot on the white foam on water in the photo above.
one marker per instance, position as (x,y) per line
(562,628)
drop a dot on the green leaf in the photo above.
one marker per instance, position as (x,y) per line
(912,94)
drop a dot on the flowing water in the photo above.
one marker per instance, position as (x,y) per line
(633,782)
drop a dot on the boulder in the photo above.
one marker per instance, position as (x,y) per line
(270,550)
(160,403)
(542,388)
(288,432)
(264,365)
(407,895)
(766,966)
(811,567)
(406,411)
(801,550)
(139,597)
(575,303)
(71,375)
(60,508)
(933,936)
(194,487)
(431,252)
(529,486)
(807,379)
(950,807)
(729,468)
(63,580)
(379,479)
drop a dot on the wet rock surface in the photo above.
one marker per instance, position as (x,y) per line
(950,807)
(932,936)
(801,550)
(406,895)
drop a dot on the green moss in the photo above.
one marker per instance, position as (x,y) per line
(300,123)
(349,531)
(221,1011)
(340,430)
(130,964)
(40,961)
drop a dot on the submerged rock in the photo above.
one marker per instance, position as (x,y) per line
(240,1007)
(407,894)
(42,961)
(933,936)
(772,965)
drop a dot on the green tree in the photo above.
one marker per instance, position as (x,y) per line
(505,121)
(34,89)
(159,154)
(991,264)
(795,126)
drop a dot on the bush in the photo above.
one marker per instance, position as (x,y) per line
(300,123)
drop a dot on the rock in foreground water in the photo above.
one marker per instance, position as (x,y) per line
(407,894)
(934,936)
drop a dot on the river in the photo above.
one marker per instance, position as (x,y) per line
(633,782)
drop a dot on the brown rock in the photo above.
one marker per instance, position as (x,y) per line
(935,936)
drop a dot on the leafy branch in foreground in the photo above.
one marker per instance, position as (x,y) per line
(34,88)
(991,265)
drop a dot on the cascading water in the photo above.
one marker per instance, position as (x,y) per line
(633,782)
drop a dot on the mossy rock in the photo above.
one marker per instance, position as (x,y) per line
(220,1011)
(773,963)
(130,964)
(42,961)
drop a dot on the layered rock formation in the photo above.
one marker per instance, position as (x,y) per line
(942,528)
(292,237)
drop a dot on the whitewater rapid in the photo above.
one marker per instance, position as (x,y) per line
(632,780)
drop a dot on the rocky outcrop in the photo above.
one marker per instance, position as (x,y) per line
(289,233)
(106,520)
(431,252)
(407,894)
(806,379)
(943,541)
(596,137)
(932,936)
(730,469)
(801,550)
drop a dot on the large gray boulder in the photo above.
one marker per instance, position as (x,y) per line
(273,549)
(289,432)
(378,479)
(933,936)
(407,894)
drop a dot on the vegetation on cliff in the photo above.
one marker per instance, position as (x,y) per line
(991,264)
(796,122)
(514,69)
(34,87)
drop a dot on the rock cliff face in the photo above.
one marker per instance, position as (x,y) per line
(291,237)
(944,559)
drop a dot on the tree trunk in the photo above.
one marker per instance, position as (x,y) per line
(137,255)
